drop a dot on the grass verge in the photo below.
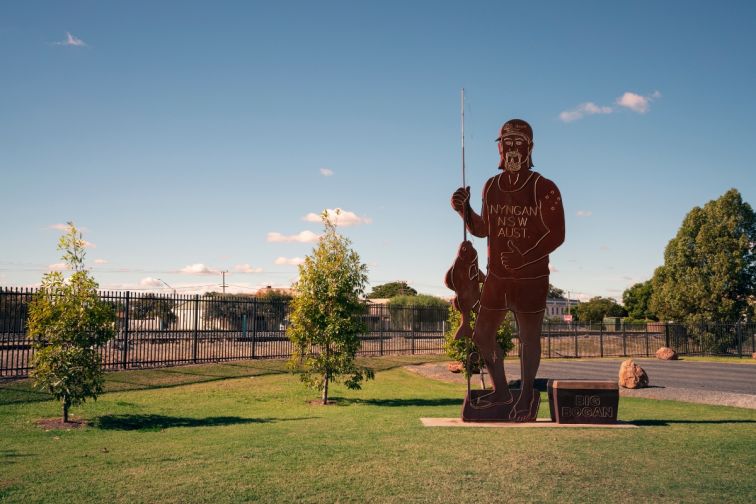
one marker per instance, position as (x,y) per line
(205,434)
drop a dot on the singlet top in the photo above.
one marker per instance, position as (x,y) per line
(514,222)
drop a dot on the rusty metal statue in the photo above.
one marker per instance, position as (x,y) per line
(523,218)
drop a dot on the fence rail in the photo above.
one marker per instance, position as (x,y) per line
(154,330)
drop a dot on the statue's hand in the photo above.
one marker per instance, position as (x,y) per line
(512,259)
(460,199)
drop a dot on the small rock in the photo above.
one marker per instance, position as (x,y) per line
(753,355)
(632,376)
(455,367)
(666,353)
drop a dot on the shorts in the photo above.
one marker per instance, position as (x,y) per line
(516,294)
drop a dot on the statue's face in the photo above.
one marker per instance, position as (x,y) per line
(515,152)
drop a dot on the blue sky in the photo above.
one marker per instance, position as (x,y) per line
(188,138)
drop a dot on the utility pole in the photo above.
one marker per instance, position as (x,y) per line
(166,284)
(224,280)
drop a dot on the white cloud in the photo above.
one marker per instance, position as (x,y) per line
(59,227)
(582,110)
(89,244)
(553,269)
(326,172)
(583,213)
(101,261)
(58,267)
(150,282)
(636,102)
(198,269)
(72,41)
(289,260)
(303,237)
(246,268)
(340,217)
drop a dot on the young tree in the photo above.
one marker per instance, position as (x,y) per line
(326,314)
(709,268)
(67,322)
(460,349)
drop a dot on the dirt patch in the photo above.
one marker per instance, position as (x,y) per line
(58,423)
(438,371)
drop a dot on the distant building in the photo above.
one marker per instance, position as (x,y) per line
(558,308)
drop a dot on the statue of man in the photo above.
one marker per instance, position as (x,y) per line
(523,218)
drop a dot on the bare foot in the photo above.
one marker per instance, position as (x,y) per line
(522,410)
(495,398)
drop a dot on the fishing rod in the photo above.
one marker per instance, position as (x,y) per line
(464,186)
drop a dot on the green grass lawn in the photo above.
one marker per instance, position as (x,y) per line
(246,432)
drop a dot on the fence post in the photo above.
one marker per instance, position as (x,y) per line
(382,327)
(254,326)
(666,335)
(125,349)
(548,336)
(624,341)
(576,340)
(738,334)
(196,328)
(412,327)
(645,330)
(601,338)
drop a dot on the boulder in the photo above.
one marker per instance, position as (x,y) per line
(455,367)
(632,376)
(753,355)
(666,353)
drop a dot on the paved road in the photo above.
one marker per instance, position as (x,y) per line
(705,376)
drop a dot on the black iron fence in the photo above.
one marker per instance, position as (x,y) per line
(155,330)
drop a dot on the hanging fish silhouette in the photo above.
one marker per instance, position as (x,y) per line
(464,278)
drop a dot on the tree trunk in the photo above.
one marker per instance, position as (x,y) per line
(326,374)
(325,389)
(66,405)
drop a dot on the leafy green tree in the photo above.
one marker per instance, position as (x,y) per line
(432,310)
(460,349)
(151,306)
(326,314)
(419,301)
(595,309)
(709,268)
(67,322)
(555,292)
(636,300)
(229,308)
(274,296)
(391,289)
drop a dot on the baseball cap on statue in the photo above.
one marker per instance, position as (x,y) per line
(516,127)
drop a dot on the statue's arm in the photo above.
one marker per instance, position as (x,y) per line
(475,223)
(552,213)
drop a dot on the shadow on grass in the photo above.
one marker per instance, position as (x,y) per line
(160,422)
(667,423)
(21,392)
(7,456)
(445,401)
